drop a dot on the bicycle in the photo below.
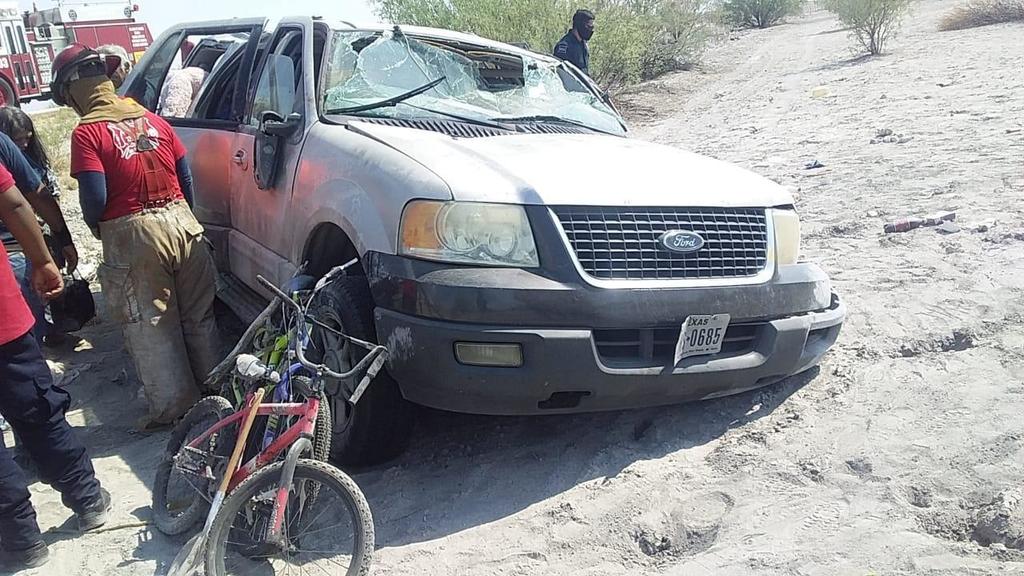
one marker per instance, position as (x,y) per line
(269,338)
(272,503)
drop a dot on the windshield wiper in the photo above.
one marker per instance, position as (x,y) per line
(467,119)
(390,101)
(548,118)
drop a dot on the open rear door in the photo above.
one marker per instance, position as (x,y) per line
(228,52)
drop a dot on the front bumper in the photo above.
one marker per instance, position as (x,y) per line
(425,309)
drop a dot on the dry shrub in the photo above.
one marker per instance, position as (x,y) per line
(54,128)
(634,40)
(872,22)
(983,13)
(759,13)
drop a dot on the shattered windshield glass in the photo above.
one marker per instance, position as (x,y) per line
(478,83)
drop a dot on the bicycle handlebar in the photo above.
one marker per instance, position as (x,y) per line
(374,350)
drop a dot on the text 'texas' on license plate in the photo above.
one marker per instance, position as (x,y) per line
(701,335)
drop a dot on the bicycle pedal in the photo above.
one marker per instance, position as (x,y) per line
(195,462)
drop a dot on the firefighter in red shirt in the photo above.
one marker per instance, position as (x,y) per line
(157,275)
(33,405)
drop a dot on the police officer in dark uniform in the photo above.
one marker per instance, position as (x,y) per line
(573,46)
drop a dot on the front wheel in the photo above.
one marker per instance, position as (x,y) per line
(332,536)
(378,428)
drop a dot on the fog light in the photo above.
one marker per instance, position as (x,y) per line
(487,354)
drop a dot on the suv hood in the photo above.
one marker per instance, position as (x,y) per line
(578,169)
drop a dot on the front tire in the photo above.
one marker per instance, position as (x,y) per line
(379,426)
(234,546)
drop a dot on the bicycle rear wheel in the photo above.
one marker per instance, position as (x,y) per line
(182,490)
(334,536)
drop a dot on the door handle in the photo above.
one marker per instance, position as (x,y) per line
(239,158)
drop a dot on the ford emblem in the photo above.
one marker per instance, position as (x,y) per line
(681,241)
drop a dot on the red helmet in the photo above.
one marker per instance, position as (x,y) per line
(67,67)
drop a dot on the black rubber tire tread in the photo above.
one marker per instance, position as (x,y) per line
(322,431)
(211,406)
(9,95)
(382,420)
(306,469)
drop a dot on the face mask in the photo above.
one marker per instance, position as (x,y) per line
(585,33)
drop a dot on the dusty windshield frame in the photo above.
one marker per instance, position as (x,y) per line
(546,89)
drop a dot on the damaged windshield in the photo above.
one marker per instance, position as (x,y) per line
(373,73)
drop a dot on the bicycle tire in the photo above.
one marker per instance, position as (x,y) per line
(308,470)
(322,432)
(211,407)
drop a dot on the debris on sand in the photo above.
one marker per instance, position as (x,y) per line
(957,341)
(887,136)
(920,497)
(983,226)
(907,224)
(685,529)
(1001,522)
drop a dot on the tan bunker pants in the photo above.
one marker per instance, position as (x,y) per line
(158,280)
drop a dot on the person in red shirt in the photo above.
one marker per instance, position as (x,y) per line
(32,404)
(157,275)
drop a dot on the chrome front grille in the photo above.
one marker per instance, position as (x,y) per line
(623,243)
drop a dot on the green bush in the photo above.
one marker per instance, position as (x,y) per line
(873,22)
(759,13)
(634,39)
(983,13)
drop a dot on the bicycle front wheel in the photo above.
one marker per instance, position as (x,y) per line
(333,537)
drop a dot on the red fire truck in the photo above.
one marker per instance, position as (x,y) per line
(30,40)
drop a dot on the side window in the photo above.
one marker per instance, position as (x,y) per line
(279,88)
(145,89)
(10,40)
(174,83)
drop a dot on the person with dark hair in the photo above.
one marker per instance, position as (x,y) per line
(24,156)
(158,275)
(34,405)
(573,46)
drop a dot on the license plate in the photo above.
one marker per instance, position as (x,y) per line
(701,335)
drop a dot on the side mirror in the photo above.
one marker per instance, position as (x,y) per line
(272,124)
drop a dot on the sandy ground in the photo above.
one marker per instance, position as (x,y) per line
(900,455)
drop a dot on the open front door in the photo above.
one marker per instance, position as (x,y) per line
(227,53)
(267,152)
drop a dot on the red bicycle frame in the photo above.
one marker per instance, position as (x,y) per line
(307,412)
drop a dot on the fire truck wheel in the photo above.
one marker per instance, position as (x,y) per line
(7,97)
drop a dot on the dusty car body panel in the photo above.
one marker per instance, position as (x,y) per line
(359,184)
(556,169)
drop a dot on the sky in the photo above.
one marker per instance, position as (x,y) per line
(160,14)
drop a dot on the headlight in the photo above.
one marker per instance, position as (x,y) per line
(787,236)
(468,233)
